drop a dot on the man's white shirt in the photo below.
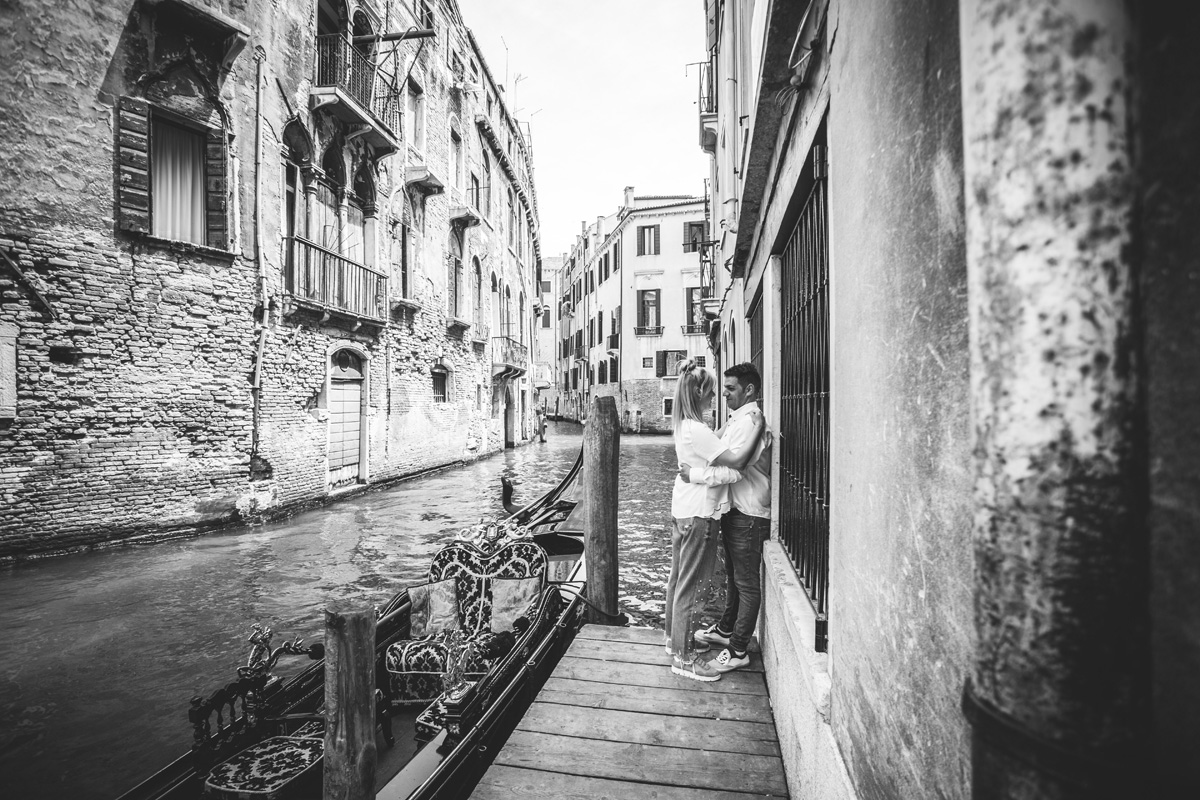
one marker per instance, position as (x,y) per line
(750,489)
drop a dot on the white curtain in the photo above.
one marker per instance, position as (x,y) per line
(177,166)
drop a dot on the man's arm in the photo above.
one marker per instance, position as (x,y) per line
(742,441)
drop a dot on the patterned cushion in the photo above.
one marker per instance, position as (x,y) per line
(418,667)
(473,570)
(511,598)
(434,608)
(264,769)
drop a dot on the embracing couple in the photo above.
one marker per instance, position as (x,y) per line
(723,490)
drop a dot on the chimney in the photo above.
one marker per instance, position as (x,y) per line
(599,229)
(628,197)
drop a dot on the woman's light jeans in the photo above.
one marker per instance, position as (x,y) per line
(693,557)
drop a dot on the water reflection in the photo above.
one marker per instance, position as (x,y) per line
(103,650)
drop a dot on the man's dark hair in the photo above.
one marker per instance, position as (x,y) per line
(746,374)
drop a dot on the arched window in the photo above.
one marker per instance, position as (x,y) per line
(507,311)
(327,226)
(454,276)
(442,388)
(521,318)
(497,330)
(478,278)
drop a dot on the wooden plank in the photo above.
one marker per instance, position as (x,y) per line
(641,653)
(673,766)
(723,736)
(504,783)
(610,633)
(659,675)
(681,702)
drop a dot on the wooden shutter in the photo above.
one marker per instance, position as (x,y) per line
(660,363)
(215,195)
(641,237)
(133,165)
(687,238)
(657,249)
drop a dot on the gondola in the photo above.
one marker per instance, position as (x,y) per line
(446,700)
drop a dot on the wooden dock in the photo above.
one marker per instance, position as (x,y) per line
(614,722)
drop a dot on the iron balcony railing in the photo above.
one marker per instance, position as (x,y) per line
(580,353)
(648,330)
(708,91)
(614,341)
(334,282)
(694,329)
(506,350)
(342,65)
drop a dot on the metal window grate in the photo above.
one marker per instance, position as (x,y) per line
(755,318)
(804,407)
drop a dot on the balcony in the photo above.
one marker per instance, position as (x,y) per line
(648,330)
(325,281)
(580,353)
(353,89)
(614,342)
(510,358)
(694,330)
(707,102)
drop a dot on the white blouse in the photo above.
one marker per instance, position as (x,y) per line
(697,446)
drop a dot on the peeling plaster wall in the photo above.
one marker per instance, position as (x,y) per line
(900,624)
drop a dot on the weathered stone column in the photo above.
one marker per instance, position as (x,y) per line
(1060,693)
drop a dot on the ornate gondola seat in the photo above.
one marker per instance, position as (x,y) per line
(266,769)
(463,618)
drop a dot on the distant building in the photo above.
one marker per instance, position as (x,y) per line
(630,305)
(546,366)
(252,256)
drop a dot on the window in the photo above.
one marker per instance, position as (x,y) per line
(487,182)
(454,277)
(602,373)
(616,254)
(666,362)
(478,276)
(474,191)
(648,240)
(456,160)
(693,234)
(614,374)
(441,384)
(648,362)
(668,406)
(616,321)
(545,317)
(170,176)
(648,312)
(414,117)
(424,10)
(512,220)
(700,361)
(177,182)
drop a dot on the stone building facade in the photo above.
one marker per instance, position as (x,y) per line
(630,308)
(958,246)
(252,255)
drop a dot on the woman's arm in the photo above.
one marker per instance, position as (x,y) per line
(740,458)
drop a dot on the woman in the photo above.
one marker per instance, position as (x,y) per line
(696,510)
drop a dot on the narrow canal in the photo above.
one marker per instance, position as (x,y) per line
(101,651)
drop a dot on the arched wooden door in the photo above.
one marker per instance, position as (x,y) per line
(346,379)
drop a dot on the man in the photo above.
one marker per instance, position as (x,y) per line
(747,524)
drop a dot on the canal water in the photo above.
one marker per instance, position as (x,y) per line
(101,651)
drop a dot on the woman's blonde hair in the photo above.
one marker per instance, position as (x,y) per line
(694,385)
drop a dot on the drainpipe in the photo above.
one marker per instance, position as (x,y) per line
(259,58)
(1059,696)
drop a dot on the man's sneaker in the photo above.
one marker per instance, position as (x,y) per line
(712,635)
(695,670)
(727,660)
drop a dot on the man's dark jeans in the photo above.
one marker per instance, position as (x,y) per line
(742,537)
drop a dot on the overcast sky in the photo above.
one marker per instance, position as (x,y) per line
(608,95)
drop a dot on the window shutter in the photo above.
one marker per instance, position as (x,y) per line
(215,194)
(133,165)
(660,363)
(687,237)
(657,250)
(641,237)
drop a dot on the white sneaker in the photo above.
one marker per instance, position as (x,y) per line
(727,661)
(711,635)
(695,670)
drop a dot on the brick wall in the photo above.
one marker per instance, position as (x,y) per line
(136,408)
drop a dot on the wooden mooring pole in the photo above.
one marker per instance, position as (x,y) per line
(601,453)
(350,756)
